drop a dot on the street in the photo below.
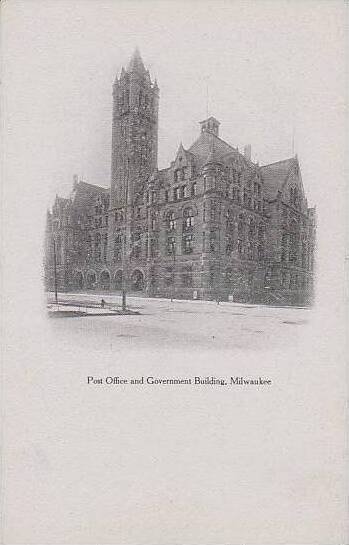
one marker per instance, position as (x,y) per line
(185,324)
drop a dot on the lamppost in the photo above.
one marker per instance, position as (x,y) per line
(55,269)
(218,292)
(173,248)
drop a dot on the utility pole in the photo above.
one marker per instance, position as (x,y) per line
(173,244)
(218,294)
(55,269)
(124,246)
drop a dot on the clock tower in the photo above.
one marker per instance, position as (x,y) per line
(134,131)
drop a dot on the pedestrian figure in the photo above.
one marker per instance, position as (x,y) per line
(102,303)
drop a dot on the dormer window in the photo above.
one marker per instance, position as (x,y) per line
(294,196)
(210,125)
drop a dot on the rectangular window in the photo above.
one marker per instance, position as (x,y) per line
(188,244)
(171,245)
(187,277)
(212,241)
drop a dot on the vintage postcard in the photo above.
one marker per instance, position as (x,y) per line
(174,317)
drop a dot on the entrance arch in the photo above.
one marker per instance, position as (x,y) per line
(228,280)
(137,280)
(105,280)
(79,280)
(91,280)
(118,280)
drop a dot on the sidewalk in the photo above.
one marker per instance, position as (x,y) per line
(82,309)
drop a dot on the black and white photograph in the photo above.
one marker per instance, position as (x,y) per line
(174,302)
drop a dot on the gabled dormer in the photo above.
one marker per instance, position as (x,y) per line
(183,165)
(292,190)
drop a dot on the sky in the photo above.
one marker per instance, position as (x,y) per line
(277,79)
(272,72)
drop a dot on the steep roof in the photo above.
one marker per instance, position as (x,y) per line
(92,188)
(209,145)
(136,63)
(83,191)
(276,174)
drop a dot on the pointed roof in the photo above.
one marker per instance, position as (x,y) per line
(136,63)
(212,156)
(209,147)
(211,118)
(276,174)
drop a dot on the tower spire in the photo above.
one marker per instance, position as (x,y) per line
(136,63)
(135,130)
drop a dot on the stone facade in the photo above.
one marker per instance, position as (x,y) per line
(211,225)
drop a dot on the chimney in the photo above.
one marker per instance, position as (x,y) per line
(247,152)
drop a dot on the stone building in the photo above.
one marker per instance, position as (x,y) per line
(213,224)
